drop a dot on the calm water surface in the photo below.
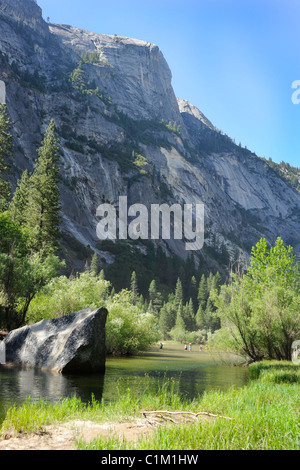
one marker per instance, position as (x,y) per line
(193,373)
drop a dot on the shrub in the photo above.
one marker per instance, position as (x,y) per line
(128,328)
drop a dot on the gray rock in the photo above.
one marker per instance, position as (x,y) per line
(74,343)
(2,93)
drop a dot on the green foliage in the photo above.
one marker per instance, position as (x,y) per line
(65,295)
(95,265)
(159,285)
(29,235)
(90,57)
(19,203)
(140,162)
(261,309)
(128,329)
(275,372)
(286,171)
(36,202)
(5,153)
(172,126)
(22,273)
(79,82)
(134,288)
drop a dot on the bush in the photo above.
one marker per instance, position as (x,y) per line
(128,328)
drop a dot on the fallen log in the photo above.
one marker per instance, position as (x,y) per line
(161,414)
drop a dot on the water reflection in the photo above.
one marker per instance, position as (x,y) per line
(191,372)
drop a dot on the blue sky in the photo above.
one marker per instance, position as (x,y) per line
(235,60)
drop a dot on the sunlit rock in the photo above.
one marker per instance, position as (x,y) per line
(74,343)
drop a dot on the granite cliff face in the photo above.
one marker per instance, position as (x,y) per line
(124,133)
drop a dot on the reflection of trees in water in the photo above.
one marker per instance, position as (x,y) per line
(194,382)
(18,385)
(186,379)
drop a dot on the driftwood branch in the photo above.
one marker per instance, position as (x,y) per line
(174,413)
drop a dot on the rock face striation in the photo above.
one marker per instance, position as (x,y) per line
(71,344)
(112,100)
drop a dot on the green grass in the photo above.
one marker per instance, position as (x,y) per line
(275,372)
(266,415)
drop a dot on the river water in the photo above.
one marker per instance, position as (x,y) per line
(192,373)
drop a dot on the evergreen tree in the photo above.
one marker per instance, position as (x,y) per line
(192,315)
(44,198)
(189,316)
(167,319)
(193,293)
(19,204)
(134,288)
(202,292)
(5,152)
(102,275)
(217,281)
(178,333)
(155,298)
(113,292)
(152,291)
(95,265)
(180,323)
(178,294)
(201,322)
(142,303)
(210,281)
(209,315)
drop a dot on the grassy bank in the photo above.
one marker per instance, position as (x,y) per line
(265,415)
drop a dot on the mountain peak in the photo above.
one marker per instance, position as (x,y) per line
(26,12)
(186,107)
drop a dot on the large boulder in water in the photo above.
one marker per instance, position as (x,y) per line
(71,344)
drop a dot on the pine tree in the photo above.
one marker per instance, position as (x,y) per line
(167,319)
(102,275)
(44,198)
(142,304)
(213,322)
(5,152)
(217,282)
(180,324)
(155,300)
(193,293)
(189,315)
(178,294)
(19,204)
(134,288)
(202,292)
(210,281)
(201,319)
(95,265)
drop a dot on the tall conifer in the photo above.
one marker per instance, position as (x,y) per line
(44,197)
(19,203)
(5,152)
